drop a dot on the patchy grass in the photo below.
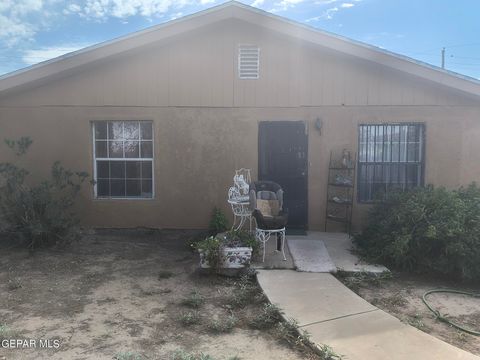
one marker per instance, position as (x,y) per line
(417,321)
(396,300)
(108,287)
(223,325)
(183,355)
(189,318)
(289,332)
(7,333)
(165,274)
(355,281)
(128,355)
(269,317)
(193,300)
(400,294)
(245,292)
(327,353)
(14,284)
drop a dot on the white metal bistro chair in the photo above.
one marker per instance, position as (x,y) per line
(240,208)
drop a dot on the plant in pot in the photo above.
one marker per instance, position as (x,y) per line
(228,250)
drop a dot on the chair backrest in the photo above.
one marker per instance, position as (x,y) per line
(266,190)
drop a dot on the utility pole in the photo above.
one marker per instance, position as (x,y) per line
(443,58)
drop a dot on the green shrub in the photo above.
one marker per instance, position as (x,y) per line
(432,230)
(218,222)
(40,214)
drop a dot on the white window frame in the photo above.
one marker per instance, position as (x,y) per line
(95,159)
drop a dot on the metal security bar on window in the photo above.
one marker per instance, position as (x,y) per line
(389,157)
(248,62)
(123,155)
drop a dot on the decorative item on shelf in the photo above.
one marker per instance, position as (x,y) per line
(346,159)
(340,189)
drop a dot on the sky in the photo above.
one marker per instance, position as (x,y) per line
(32,31)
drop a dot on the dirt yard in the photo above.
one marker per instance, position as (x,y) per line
(125,295)
(401,296)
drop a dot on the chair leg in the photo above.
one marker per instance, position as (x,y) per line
(283,246)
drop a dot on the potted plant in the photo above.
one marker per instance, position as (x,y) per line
(228,250)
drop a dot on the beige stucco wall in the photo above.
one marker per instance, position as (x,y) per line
(197,151)
(206,119)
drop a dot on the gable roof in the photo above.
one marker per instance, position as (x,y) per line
(61,65)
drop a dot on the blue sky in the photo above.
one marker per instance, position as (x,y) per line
(32,31)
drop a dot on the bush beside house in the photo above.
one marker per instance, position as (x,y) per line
(38,214)
(428,229)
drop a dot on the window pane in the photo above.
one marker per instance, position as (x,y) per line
(146,169)
(147,188)
(131,149)
(103,187)
(146,130)
(101,130)
(103,170)
(133,188)
(147,149)
(101,149)
(115,130)
(132,131)
(117,188)
(117,169)
(115,149)
(133,169)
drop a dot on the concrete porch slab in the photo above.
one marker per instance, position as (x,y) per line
(311,256)
(378,336)
(310,297)
(339,246)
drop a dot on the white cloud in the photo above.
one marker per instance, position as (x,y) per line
(35,56)
(347,5)
(285,5)
(12,30)
(257,3)
(327,14)
(103,9)
(14,24)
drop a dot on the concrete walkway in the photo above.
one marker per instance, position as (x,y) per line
(330,248)
(336,316)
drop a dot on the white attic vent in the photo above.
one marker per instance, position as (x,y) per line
(248,61)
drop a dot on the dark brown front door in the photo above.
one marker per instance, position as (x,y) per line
(283,158)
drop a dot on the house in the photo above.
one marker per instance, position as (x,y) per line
(164,116)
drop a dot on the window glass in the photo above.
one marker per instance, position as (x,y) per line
(123,159)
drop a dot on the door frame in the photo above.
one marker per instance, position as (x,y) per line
(307,168)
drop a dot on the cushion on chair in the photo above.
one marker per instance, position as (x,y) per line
(268,208)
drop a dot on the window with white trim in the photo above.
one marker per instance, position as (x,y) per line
(390,157)
(123,159)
